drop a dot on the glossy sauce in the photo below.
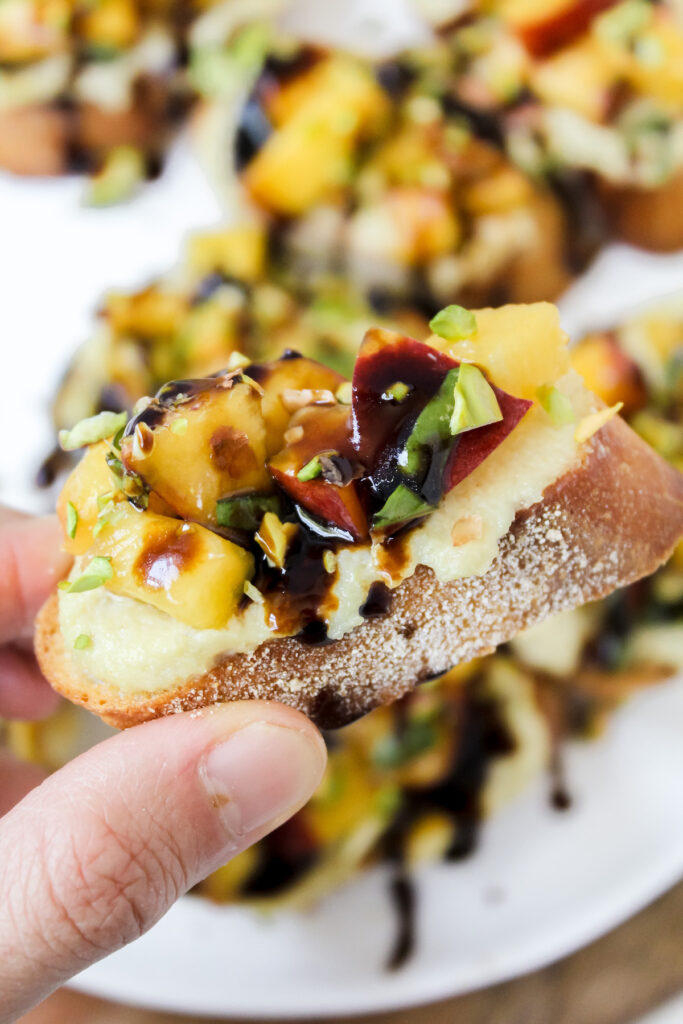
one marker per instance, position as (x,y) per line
(163,558)
(482,737)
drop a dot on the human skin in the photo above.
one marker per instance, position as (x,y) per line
(94,855)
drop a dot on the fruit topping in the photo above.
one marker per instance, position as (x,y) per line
(243,486)
(220,451)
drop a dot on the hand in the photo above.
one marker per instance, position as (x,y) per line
(96,854)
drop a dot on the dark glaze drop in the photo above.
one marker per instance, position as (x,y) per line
(288,853)
(255,125)
(177,393)
(295,594)
(482,737)
(56,463)
(402,895)
(165,557)
(378,602)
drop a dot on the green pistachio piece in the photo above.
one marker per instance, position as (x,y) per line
(92,430)
(556,404)
(475,402)
(82,642)
(401,506)
(397,391)
(109,515)
(311,470)
(122,173)
(432,427)
(71,519)
(246,511)
(454,323)
(97,572)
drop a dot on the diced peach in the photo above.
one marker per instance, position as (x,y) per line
(546,25)
(148,313)
(577,77)
(180,568)
(323,431)
(608,372)
(295,374)
(306,159)
(207,448)
(238,252)
(88,481)
(521,347)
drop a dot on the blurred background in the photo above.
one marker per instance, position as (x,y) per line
(184,181)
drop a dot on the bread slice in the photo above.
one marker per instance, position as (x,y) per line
(609,521)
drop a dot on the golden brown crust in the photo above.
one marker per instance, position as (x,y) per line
(34,141)
(613,519)
(650,218)
(41,140)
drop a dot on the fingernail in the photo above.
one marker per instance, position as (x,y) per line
(259,776)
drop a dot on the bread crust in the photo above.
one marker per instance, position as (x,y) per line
(41,140)
(612,519)
(649,218)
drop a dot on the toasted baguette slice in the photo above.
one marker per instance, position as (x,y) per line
(609,521)
(41,141)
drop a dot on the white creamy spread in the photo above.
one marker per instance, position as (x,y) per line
(138,648)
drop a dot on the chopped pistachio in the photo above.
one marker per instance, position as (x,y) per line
(274,538)
(293,435)
(254,385)
(246,511)
(453,323)
(557,405)
(253,593)
(238,361)
(401,506)
(329,561)
(109,516)
(397,392)
(466,529)
(344,393)
(143,441)
(294,399)
(116,469)
(475,402)
(103,500)
(93,429)
(179,425)
(71,519)
(432,428)
(116,440)
(123,171)
(591,423)
(311,470)
(97,572)
(82,642)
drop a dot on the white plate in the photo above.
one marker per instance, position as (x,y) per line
(542,884)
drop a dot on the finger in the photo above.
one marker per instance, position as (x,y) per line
(24,693)
(32,561)
(16,780)
(94,856)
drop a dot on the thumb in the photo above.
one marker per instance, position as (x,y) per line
(95,855)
